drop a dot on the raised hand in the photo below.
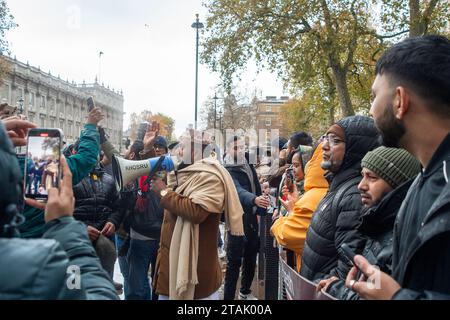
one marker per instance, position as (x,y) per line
(95,116)
(150,135)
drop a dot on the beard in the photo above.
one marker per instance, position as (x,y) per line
(331,165)
(390,128)
(326,165)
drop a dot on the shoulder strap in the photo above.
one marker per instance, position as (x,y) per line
(342,190)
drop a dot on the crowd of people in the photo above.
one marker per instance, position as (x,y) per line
(42,174)
(375,186)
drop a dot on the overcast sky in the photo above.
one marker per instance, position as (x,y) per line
(154,65)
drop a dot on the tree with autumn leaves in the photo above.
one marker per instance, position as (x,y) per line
(6,23)
(323,50)
(166,123)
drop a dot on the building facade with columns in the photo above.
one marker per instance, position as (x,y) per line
(51,102)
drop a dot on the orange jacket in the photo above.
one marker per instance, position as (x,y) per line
(290,231)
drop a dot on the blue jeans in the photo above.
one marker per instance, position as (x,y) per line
(123,264)
(140,255)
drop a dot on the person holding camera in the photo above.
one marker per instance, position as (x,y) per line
(80,165)
(411,108)
(61,265)
(387,175)
(290,230)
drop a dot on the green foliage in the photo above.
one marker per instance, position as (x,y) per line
(323,50)
(6,23)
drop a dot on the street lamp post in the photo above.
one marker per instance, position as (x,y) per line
(220,121)
(215,109)
(21,101)
(196,25)
(99,64)
(21,105)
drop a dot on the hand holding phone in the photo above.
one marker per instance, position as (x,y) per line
(90,104)
(289,181)
(95,116)
(349,254)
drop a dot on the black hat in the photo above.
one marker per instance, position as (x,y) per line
(395,166)
(161,141)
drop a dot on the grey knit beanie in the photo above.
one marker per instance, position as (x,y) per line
(393,165)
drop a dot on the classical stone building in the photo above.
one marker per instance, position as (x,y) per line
(51,102)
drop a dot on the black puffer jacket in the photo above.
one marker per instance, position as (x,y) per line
(378,226)
(335,222)
(96,200)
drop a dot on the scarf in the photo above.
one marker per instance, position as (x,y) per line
(199,182)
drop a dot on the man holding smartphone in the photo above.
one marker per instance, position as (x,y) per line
(411,108)
(387,175)
(80,165)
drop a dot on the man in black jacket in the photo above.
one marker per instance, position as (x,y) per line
(411,108)
(338,214)
(96,206)
(387,175)
(250,195)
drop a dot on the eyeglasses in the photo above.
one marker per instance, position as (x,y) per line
(331,139)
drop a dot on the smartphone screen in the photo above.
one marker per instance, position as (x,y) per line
(289,182)
(42,167)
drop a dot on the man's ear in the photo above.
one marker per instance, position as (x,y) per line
(401,102)
(132,156)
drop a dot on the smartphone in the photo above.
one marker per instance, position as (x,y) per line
(349,254)
(289,182)
(42,166)
(90,103)
(142,130)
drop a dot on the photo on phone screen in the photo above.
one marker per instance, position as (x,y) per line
(42,166)
(290,179)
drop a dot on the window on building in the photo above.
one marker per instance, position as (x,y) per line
(31,100)
(43,102)
(42,122)
(52,123)
(4,94)
(269,108)
(268,122)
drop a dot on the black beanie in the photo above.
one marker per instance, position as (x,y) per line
(393,165)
